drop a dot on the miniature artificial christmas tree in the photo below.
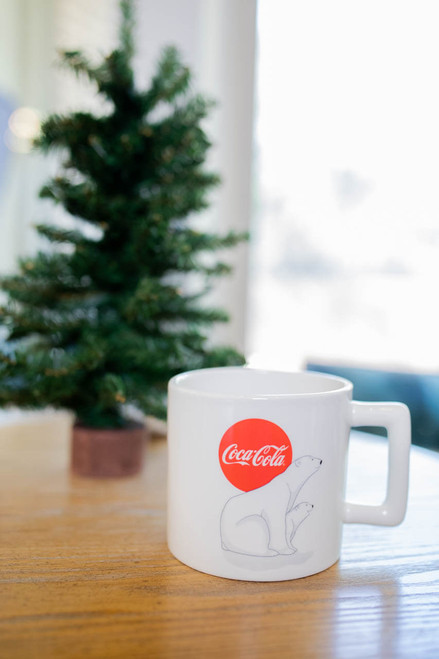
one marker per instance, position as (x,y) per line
(101,321)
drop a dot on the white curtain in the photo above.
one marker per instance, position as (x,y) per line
(217,40)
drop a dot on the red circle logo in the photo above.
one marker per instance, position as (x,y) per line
(252,452)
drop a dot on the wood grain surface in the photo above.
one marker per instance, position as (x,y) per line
(85,570)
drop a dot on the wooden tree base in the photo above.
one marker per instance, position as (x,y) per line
(101,453)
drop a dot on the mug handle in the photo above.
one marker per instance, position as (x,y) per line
(395,417)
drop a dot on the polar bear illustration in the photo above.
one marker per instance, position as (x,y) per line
(263,521)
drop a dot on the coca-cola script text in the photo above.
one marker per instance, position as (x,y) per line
(270,454)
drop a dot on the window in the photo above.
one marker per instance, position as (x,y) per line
(345,262)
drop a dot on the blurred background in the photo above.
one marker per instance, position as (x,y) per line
(326,135)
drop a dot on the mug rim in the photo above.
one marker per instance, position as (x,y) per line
(180,383)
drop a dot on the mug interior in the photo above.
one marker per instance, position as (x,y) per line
(233,382)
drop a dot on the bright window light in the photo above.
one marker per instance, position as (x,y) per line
(346,237)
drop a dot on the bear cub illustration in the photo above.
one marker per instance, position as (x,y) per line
(263,522)
(294,519)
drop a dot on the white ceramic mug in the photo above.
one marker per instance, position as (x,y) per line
(257,470)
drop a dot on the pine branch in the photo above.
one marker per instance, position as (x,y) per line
(171,81)
(53,267)
(76,61)
(56,235)
(37,377)
(59,131)
(181,249)
(153,303)
(120,85)
(113,78)
(192,241)
(25,322)
(223,356)
(85,201)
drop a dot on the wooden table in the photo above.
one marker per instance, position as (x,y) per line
(85,570)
